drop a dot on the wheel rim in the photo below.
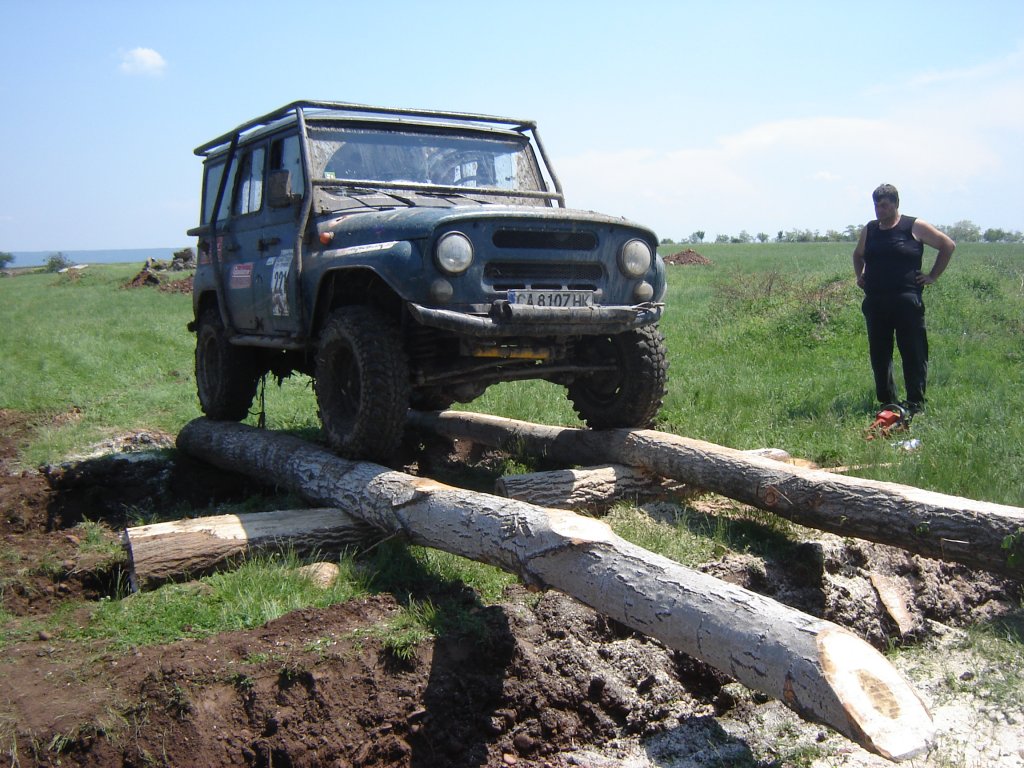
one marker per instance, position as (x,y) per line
(603,388)
(209,361)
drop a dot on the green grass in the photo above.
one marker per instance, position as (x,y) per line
(767,349)
(109,358)
(259,590)
(766,345)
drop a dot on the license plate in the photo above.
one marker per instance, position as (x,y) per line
(552,298)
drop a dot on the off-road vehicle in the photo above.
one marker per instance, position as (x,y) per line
(406,257)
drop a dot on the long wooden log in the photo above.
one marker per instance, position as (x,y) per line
(820,670)
(593,489)
(974,533)
(163,551)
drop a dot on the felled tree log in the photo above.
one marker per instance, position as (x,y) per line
(590,488)
(821,671)
(930,524)
(185,548)
(594,489)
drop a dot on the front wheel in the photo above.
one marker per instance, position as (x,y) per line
(362,383)
(226,375)
(631,395)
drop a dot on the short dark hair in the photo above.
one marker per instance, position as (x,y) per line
(886,191)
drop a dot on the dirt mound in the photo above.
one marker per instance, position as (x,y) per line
(147,277)
(184,285)
(144,277)
(155,272)
(688,256)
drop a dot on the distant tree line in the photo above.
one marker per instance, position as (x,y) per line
(962,232)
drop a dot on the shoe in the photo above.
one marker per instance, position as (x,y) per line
(912,409)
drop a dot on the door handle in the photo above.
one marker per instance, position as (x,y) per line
(265,243)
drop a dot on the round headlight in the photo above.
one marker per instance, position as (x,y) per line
(635,258)
(454,253)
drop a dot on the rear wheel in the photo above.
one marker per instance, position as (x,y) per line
(226,375)
(362,383)
(631,395)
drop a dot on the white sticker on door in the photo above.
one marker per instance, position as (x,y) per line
(279,284)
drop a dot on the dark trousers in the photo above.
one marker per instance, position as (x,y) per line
(900,315)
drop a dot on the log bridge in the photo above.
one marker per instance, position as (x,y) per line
(820,670)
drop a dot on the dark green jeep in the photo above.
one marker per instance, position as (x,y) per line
(408,257)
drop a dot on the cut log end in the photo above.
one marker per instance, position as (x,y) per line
(179,549)
(579,529)
(886,714)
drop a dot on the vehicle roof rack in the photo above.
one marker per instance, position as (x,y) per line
(346,107)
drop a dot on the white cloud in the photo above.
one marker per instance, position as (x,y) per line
(951,140)
(143,61)
(986,70)
(814,173)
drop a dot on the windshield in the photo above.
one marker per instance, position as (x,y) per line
(423,158)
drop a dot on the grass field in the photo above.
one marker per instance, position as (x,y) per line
(766,343)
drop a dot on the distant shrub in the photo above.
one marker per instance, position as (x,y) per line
(56,262)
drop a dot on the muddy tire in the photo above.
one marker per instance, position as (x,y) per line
(226,375)
(630,396)
(361,383)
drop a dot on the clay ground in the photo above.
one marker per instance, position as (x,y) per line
(553,683)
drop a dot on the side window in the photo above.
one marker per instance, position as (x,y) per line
(249,194)
(225,203)
(211,183)
(285,155)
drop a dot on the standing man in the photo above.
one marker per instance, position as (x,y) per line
(887,263)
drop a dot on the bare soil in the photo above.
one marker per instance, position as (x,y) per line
(687,256)
(554,684)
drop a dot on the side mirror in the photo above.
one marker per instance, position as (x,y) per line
(279,189)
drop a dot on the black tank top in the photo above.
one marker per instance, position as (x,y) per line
(892,258)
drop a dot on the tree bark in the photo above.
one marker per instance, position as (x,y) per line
(591,489)
(186,548)
(821,671)
(595,489)
(978,534)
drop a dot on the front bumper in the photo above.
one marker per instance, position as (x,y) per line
(507,319)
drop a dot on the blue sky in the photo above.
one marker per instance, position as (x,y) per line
(720,117)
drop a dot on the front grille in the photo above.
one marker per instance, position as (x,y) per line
(527,239)
(547,275)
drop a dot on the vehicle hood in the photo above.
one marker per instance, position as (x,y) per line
(420,222)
